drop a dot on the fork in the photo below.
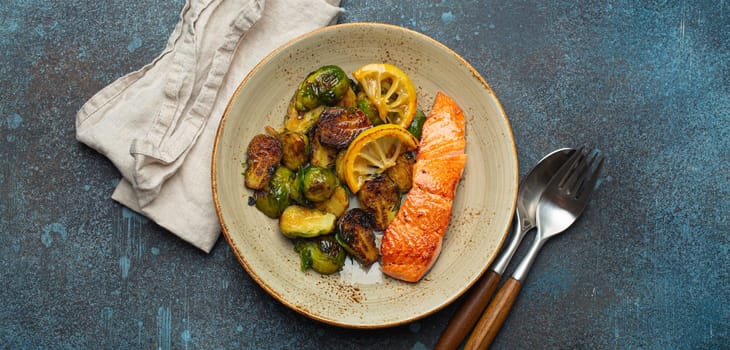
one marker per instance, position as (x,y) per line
(564,199)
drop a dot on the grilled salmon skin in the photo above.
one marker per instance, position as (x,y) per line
(412,242)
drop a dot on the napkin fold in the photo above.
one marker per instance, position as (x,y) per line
(157,124)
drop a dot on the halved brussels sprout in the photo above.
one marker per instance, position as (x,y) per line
(350,98)
(318,183)
(298,221)
(325,86)
(402,172)
(321,155)
(338,126)
(379,195)
(337,203)
(262,156)
(273,201)
(295,149)
(301,122)
(322,254)
(356,234)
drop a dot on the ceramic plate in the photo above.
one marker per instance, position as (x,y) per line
(483,207)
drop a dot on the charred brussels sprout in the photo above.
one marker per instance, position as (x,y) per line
(297,221)
(295,149)
(273,201)
(379,195)
(262,157)
(318,183)
(325,86)
(356,234)
(402,172)
(338,126)
(322,254)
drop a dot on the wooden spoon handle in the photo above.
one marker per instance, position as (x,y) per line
(464,319)
(497,311)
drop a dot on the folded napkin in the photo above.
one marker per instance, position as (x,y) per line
(157,125)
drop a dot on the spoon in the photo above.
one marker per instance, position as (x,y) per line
(531,189)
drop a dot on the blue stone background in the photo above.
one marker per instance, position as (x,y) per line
(647,266)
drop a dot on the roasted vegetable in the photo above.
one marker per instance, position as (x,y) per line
(321,155)
(340,165)
(301,121)
(402,172)
(416,126)
(349,100)
(379,196)
(338,126)
(322,254)
(363,103)
(273,201)
(318,183)
(337,203)
(325,86)
(356,234)
(295,149)
(262,157)
(298,221)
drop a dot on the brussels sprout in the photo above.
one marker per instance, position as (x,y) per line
(301,122)
(322,254)
(338,126)
(262,157)
(325,86)
(321,155)
(299,221)
(356,234)
(402,172)
(379,195)
(318,183)
(349,100)
(416,126)
(337,203)
(340,165)
(295,149)
(273,201)
(363,103)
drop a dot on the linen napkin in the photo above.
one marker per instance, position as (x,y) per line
(157,125)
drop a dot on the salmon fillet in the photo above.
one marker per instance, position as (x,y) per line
(412,242)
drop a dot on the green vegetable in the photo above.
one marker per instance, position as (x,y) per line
(416,127)
(325,86)
(356,234)
(318,183)
(273,201)
(262,156)
(363,103)
(299,221)
(295,149)
(322,254)
(379,195)
(301,122)
(337,203)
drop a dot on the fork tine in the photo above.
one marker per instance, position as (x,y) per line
(591,175)
(561,176)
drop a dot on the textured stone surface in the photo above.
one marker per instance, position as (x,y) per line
(646,267)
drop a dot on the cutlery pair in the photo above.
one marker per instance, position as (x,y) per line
(551,197)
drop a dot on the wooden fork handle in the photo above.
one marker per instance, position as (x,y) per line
(497,311)
(464,319)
